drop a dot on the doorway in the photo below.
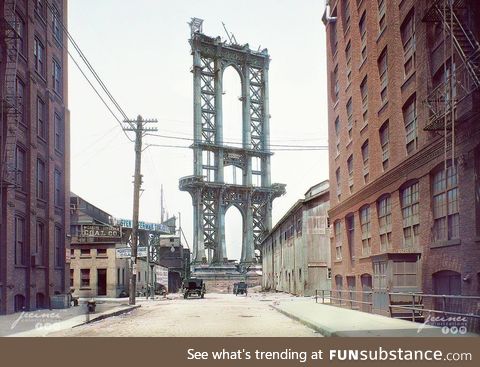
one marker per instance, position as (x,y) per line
(102,282)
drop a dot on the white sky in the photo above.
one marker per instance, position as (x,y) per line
(140,49)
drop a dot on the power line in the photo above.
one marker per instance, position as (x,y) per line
(239,143)
(274,149)
(90,67)
(99,96)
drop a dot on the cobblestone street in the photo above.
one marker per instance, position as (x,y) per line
(215,315)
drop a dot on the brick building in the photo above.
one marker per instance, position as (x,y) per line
(296,252)
(404,215)
(34,142)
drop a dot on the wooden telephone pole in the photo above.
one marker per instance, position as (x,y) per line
(138,126)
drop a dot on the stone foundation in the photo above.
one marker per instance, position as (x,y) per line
(220,278)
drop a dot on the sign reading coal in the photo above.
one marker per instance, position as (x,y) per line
(101,231)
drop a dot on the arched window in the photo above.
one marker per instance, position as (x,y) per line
(384,209)
(366,232)
(409,200)
(445,203)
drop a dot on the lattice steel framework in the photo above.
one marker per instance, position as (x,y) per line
(211,196)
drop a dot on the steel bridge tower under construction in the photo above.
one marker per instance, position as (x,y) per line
(211,195)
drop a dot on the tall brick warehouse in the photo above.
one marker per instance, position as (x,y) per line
(405,216)
(34,136)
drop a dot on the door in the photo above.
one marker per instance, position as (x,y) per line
(380,294)
(102,282)
(366,280)
(447,282)
(352,295)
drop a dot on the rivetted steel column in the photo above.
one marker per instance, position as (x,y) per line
(266,181)
(248,245)
(199,246)
(246,122)
(197,113)
(221,250)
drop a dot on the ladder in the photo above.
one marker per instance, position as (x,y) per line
(10,113)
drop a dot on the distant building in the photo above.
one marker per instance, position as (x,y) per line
(296,252)
(34,154)
(99,255)
(176,258)
(404,143)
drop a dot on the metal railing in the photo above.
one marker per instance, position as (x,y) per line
(336,297)
(413,306)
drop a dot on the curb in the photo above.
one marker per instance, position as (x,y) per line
(107,315)
(322,330)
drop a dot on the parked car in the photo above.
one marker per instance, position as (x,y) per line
(240,288)
(193,286)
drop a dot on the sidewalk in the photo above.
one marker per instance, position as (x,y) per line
(337,321)
(43,322)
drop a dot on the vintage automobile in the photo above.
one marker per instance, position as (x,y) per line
(240,288)
(194,286)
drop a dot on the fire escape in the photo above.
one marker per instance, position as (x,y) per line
(10,102)
(461,81)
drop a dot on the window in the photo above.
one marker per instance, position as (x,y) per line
(365,158)
(410,213)
(404,274)
(20,30)
(85,252)
(383,72)
(385,222)
(56,24)
(40,179)
(410,120)
(362,25)
(333,37)
(20,99)
(58,187)
(84,278)
(350,223)
(382,20)
(364,94)
(349,117)
(72,253)
(350,172)
(71,277)
(337,135)
(348,52)
(346,14)
(57,77)
(19,241)
(337,177)
(20,172)
(445,204)
(384,143)
(41,119)
(336,87)
(329,273)
(40,244)
(59,246)
(39,57)
(101,252)
(366,232)
(58,126)
(338,240)
(407,31)
(40,8)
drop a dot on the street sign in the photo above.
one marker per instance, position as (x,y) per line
(101,231)
(126,252)
(154,227)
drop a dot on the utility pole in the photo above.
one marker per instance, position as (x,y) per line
(137,126)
